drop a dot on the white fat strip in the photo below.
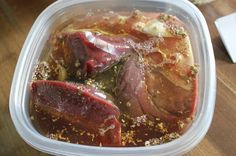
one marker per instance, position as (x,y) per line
(102,131)
(100,95)
(105,46)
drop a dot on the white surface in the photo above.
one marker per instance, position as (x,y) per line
(227,28)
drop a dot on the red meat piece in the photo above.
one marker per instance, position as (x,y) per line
(132,88)
(94,51)
(147,91)
(80,104)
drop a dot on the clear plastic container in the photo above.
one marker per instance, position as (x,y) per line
(60,12)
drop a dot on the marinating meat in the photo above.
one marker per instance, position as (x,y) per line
(116,79)
(85,53)
(79,104)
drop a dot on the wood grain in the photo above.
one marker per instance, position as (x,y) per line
(16,19)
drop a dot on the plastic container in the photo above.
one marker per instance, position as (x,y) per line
(61,11)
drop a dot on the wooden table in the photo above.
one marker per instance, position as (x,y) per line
(16,19)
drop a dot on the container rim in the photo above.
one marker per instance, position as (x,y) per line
(176,147)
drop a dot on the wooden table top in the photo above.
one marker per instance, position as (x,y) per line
(16,19)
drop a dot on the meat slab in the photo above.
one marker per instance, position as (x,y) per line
(80,104)
(86,53)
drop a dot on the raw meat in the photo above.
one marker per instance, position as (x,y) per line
(80,104)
